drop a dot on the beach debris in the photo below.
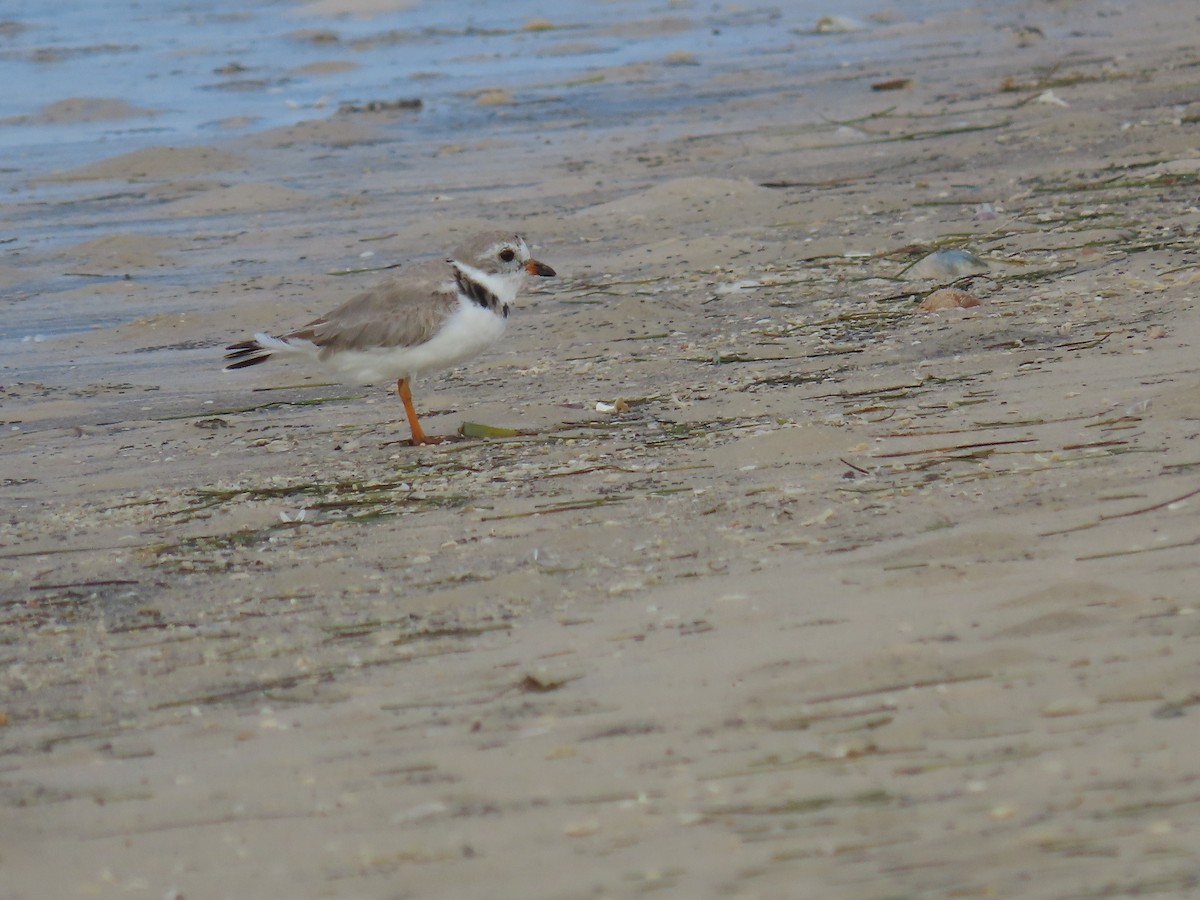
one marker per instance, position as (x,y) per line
(1176,708)
(617,406)
(1156,332)
(948,298)
(478,430)
(540,680)
(538,25)
(1185,166)
(892,84)
(736,287)
(1025,35)
(984,212)
(1069,706)
(946,264)
(314,35)
(585,828)
(681,58)
(1051,98)
(378,106)
(837,25)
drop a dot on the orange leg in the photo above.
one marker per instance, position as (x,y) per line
(418,435)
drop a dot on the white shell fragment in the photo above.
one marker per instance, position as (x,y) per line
(1051,98)
(617,406)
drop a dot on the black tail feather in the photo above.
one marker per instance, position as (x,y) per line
(246,353)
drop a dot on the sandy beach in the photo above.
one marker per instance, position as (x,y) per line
(786,586)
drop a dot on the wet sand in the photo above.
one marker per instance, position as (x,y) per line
(844,598)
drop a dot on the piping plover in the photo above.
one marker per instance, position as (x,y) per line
(432,316)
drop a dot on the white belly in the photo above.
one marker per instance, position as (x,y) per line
(466,334)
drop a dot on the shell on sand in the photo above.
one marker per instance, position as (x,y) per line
(947,264)
(948,298)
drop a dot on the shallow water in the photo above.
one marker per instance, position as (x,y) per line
(195,71)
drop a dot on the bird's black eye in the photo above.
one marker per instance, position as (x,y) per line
(508,254)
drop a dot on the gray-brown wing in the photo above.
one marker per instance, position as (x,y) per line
(399,312)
